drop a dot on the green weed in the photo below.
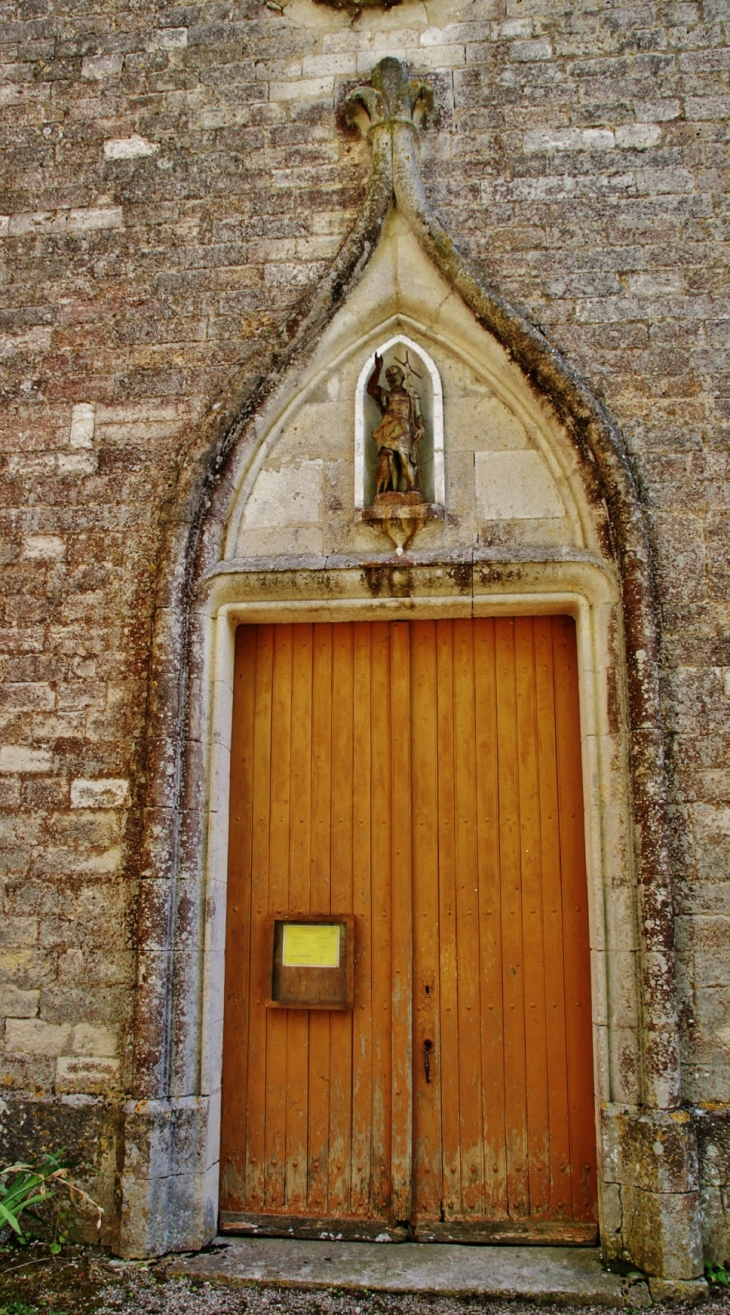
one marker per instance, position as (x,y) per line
(25,1187)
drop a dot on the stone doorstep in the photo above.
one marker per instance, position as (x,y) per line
(572,1276)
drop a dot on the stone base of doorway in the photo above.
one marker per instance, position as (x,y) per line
(570,1276)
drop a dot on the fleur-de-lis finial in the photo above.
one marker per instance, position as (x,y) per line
(391,98)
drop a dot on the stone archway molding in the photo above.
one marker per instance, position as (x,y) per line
(654,1205)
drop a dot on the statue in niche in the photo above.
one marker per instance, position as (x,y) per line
(399,432)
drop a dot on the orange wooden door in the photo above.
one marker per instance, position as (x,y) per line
(504,1118)
(317,1105)
(424,777)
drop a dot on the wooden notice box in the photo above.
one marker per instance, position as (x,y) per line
(311,961)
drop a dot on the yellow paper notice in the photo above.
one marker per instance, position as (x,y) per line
(311,945)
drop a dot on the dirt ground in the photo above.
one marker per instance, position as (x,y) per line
(84,1279)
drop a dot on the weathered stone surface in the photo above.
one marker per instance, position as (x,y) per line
(550,1274)
(713,1137)
(173,193)
(691,1292)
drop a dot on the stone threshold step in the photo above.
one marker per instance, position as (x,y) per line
(571,1276)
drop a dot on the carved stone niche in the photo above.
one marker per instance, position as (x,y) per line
(392,493)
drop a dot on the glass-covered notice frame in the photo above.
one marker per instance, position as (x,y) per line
(311,961)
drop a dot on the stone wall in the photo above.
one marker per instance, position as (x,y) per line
(176,180)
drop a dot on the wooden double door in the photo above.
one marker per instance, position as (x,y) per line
(424,777)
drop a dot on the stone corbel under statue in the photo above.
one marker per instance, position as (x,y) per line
(400,518)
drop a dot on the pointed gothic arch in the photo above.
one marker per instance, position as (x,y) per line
(175,1039)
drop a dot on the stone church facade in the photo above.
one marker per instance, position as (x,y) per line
(217,217)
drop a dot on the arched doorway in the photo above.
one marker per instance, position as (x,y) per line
(593,566)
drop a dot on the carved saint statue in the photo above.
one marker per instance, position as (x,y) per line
(400,430)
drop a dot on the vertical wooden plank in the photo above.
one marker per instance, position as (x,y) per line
(402,924)
(512,951)
(300,828)
(321,872)
(427,1148)
(575,922)
(490,921)
(450,1040)
(260,855)
(538,1149)
(362,1050)
(467,923)
(382,947)
(341,1024)
(276,1019)
(238,925)
(557,1057)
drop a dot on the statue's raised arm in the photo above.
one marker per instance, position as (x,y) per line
(378,394)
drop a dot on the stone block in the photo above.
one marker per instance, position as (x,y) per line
(713,1136)
(40,547)
(102,793)
(165,1177)
(101,66)
(662,111)
(16,1003)
(27,695)
(515,485)
(169,38)
(652,1157)
(77,463)
(94,1040)
(291,494)
(83,421)
(334,64)
(661,1234)
(88,1074)
(688,1292)
(569,139)
(89,219)
(187,1226)
(511,29)
(129,148)
(638,136)
(22,758)
(33,1036)
(302,89)
(141,1223)
(529,51)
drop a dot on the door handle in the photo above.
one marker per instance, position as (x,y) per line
(427,1048)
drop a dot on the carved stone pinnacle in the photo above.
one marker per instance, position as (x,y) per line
(391,98)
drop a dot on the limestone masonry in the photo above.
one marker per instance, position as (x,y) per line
(180,376)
